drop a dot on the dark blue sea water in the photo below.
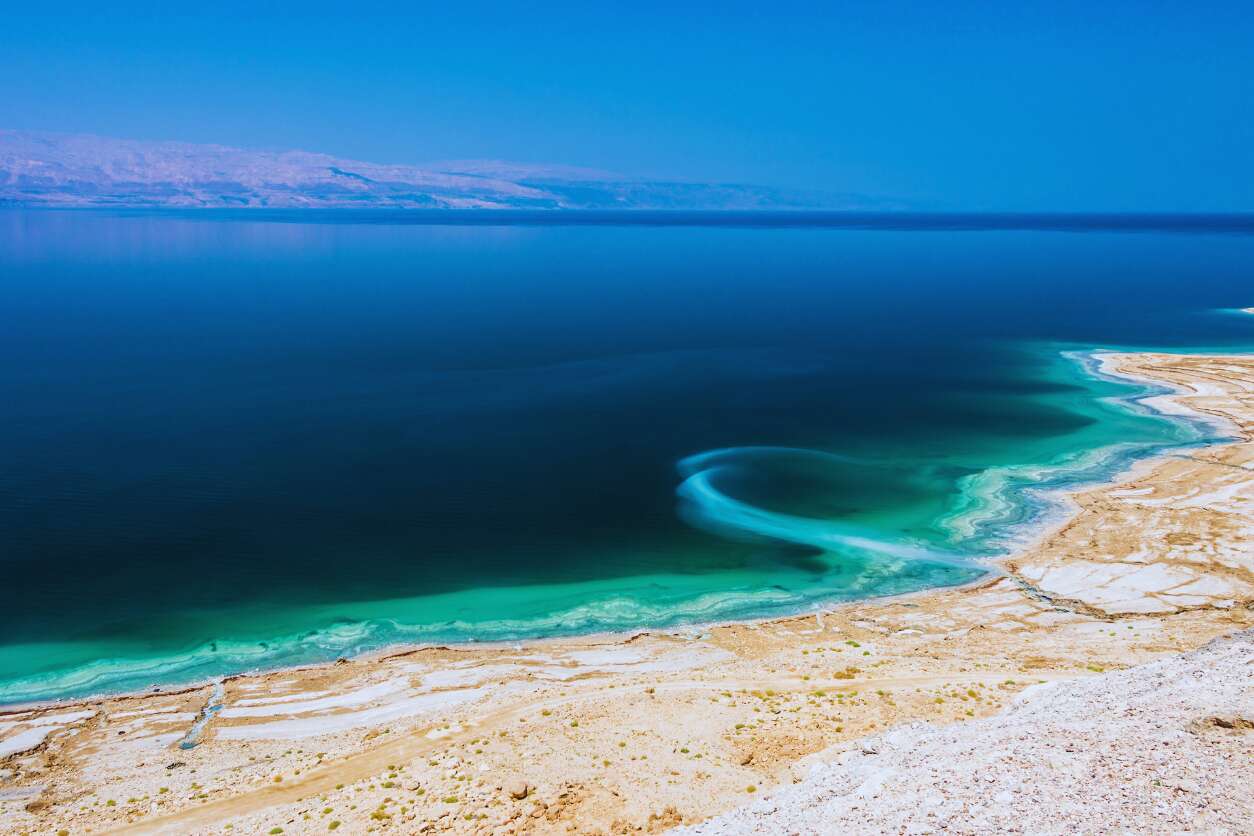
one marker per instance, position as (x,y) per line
(246,439)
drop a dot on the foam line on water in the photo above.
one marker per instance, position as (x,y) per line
(703,504)
(644,604)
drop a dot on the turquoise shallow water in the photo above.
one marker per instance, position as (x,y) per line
(240,443)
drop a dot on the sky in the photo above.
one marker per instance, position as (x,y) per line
(1113,105)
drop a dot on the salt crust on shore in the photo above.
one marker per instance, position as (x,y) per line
(1183,541)
(645,732)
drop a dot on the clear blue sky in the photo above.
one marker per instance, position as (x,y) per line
(1031,105)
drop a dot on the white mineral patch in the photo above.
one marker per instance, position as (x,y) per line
(327,723)
(33,730)
(298,695)
(359,697)
(463,677)
(23,740)
(607,656)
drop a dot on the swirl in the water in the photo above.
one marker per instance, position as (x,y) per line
(706,502)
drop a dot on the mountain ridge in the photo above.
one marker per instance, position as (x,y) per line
(85,170)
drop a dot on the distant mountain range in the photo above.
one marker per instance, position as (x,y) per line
(79,170)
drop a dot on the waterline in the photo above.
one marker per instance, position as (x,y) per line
(992,512)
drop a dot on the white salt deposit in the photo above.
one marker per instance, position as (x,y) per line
(359,697)
(325,724)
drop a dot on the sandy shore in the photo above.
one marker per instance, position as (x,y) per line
(642,733)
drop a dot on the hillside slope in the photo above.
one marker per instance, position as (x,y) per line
(72,170)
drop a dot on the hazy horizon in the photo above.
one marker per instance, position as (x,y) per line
(969,107)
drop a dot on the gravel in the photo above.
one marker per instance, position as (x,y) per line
(1165,747)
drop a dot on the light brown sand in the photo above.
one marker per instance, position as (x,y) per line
(640,733)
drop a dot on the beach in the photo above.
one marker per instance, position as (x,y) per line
(645,731)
